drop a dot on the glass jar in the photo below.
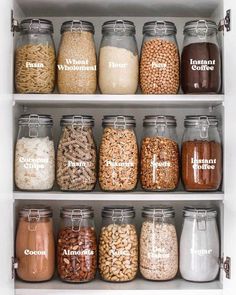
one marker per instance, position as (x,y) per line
(118,161)
(158,244)
(201,58)
(76,154)
(35,57)
(118,245)
(199,245)
(159,66)
(118,58)
(201,154)
(77,245)
(35,246)
(159,154)
(77,61)
(34,153)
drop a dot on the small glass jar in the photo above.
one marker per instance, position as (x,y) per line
(159,154)
(201,154)
(77,61)
(76,154)
(77,245)
(201,58)
(158,244)
(199,245)
(118,245)
(35,246)
(118,161)
(159,66)
(34,153)
(35,57)
(118,58)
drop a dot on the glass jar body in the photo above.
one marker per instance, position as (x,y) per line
(76,159)
(35,63)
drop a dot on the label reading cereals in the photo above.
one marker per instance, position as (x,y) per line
(120,164)
(201,252)
(29,163)
(203,164)
(158,253)
(76,65)
(202,65)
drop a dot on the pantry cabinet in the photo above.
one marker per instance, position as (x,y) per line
(12,105)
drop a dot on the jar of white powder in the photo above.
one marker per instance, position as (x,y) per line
(34,153)
(199,245)
(118,58)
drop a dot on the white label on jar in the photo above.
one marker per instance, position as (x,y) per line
(120,252)
(86,252)
(203,164)
(30,163)
(76,65)
(78,164)
(157,65)
(116,164)
(158,253)
(28,252)
(201,252)
(34,65)
(114,65)
(202,65)
(163,164)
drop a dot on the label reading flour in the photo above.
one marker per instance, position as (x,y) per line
(202,65)
(29,163)
(203,164)
(76,65)
(113,65)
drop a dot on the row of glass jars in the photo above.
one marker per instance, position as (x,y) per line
(120,252)
(119,66)
(76,167)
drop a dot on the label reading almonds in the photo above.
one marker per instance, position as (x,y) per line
(203,164)
(29,163)
(202,65)
(86,252)
(76,65)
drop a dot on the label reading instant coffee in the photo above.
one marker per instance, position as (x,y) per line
(202,65)
(116,164)
(76,65)
(201,252)
(203,164)
(37,164)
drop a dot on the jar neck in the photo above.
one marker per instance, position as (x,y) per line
(191,37)
(119,33)
(160,220)
(118,220)
(34,131)
(196,133)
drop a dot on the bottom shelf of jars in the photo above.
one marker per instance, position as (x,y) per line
(139,285)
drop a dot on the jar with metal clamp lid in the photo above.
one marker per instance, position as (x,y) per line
(34,153)
(159,154)
(118,161)
(199,245)
(201,154)
(158,244)
(76,154)
(77,61)
(77,245)
(201,58)
(35,247)
(118,244)
(35,57)
(118,58)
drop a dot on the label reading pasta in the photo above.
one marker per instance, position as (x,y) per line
(34,65)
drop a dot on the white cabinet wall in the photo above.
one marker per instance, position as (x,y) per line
(12,105)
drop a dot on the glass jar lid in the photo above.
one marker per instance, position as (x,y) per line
(118,212)
(35,212)
(154,211)
(36,25)
(154,120)
(121,26)
(199,213)
(77,120)
(159,28)
(77,212)
(118,121)
(77,26)
(199,120)
(200,26)
(35,119)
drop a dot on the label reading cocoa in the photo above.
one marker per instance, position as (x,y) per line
(29,163)
(114,65)
(37,65)
(120,252)
(76,65)
(120,164)
(203,164)
(202,65)
(157,65)
(28,252)
(201,252)
(86,252)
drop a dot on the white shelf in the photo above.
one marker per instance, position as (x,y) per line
(132,196)
(136,101)
(138,286)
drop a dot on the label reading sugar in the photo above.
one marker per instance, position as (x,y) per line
(203,164)
(29,163)
(34,65)
(76,65)
(202,65)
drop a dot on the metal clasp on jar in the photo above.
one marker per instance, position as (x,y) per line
(120,122)
(76,218)
(160,27)
(117,218)
(119,29)
(201,216)
(204,126)
(77,28)
(77,121)
(34,125)
(35,21)
(202,32)
(161,125)
(33,219)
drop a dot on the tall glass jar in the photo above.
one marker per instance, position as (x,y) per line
(35,57)
(34,153)
(35,247)
(199,245)
(77,61)
(118,161)
(118,58)
(158,244)
(159,66)
(76,154)
(201,58)
(118,245)
(77,245)
(201,154)
(159,154)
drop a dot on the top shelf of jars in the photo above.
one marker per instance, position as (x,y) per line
(174,8)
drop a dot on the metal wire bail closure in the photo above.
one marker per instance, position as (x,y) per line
(204,126)
(162,29)
(201,32)
(75,29)
(161,126)
(117,29)
(34,20)
(33,215)
(76,217)
(120,122)
(117,218)
(156,215)
(33,124)
(201,216)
